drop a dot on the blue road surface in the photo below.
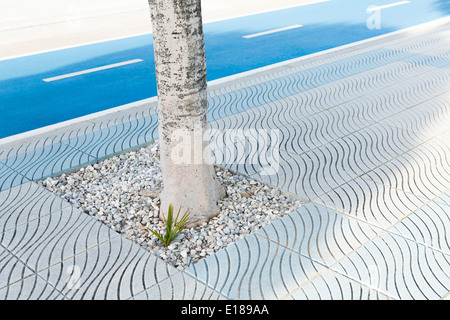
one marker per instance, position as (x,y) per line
(28,102)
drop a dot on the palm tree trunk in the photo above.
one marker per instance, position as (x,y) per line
(180,62)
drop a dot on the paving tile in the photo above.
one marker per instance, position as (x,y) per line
(373,106)
(389,140)
(223,103)
(9,178)
(11,269)
(420,172)
(439,58)
(55,237)
(329,125)
(3,152)
(298,140)
(429,225)
(275,86)
(445,137)
(284,111)
(425,87)
(319,233)
(243,121)
(444,198)
(372,202)
(334,286)
(249,152)
(350,155)
(118,270)
(112,140)
(47,161)
(30,288)
(356,155)
(403,268)
(296,175)
(429,118)
(254,268)
(179,286)
(27,145)
(373,84)
(312,173)
(435,151)
(292,139)
(25,203)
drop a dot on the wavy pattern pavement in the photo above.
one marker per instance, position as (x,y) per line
(371,152)
(424,272)
(69,255)
(362,134)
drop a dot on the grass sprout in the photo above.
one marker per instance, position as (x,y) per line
(173,227)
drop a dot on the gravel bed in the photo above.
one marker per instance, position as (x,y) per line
(123,191)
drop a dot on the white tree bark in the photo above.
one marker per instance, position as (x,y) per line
(189,181)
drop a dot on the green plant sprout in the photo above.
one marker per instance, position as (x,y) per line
(173,227)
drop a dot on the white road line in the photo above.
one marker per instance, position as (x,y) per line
(78,73)
(272,31)
(376,8)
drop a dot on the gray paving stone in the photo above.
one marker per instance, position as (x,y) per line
(243,121)
(118,269)
(55,237)
(313,173)
(303,176)
(429,225)
(11,269)
(403,268)
(444,198)
(179,286)
(9,178)
(334,286)
(319,233)
(423,172)
(100,142)
(375,81)
(30,288)
(372,106)
(278,86)
(429,118)
(428,85)
(372,202)
(250,152)
(284,111)
(439,58)
(255,268)
(445,137)
(25,203)
(356,155)
(49,160)
(389,140)
(329,125)
(435,151)
(298,140)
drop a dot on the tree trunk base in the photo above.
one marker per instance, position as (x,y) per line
(195,188)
